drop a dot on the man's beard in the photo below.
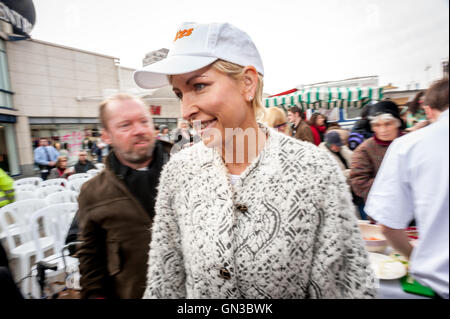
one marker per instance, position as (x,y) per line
(134,157)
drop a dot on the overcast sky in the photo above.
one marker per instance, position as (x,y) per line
(300,41)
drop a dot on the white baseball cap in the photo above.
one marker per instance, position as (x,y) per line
(198,45)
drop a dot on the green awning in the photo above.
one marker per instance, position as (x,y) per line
(327,97)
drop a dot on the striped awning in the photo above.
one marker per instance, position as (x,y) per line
(317,98)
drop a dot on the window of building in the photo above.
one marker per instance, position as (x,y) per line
(8,152)
(170,122)
(5,86)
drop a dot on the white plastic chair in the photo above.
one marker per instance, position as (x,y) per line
(100,166)
(66,196)
(36,181)
(56,219)
(75,185)
(22,195)
(25,188)
(43,192)
(55,181)
(15,224)
(93,172)
(78,175)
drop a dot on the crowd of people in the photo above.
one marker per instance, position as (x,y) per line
(266,211)
(53,161)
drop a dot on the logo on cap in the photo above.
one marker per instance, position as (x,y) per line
(183,33)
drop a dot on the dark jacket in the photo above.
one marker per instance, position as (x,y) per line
(115,237)
(83,168)
(366,162)
(303,132)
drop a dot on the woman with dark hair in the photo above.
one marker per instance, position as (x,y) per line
(415,115)
(317,122)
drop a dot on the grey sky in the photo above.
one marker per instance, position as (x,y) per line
(300,41)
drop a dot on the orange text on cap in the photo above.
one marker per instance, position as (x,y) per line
(183,33)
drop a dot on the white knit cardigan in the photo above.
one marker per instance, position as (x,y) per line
(298,238)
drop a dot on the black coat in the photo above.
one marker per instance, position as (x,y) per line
(83,168)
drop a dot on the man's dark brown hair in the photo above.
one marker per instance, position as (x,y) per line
(295,109)
(436,96)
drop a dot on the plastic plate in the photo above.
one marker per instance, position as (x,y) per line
(386,267)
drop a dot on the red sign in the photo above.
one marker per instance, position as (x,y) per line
(155,109)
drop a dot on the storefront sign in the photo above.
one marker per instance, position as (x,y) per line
(74,140)
(155,109)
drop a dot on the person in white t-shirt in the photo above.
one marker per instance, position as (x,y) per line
(413,183)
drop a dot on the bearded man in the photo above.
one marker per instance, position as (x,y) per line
(116,207)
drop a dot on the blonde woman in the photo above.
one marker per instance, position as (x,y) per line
(61,170)
(247,212)
(276,118)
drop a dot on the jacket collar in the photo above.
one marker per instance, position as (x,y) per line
(121,170)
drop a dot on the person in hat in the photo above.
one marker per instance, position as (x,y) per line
(340,152)
(248,212)
(387,125)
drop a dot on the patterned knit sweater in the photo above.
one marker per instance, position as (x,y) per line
(296,238)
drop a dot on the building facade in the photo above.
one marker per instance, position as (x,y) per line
(53,91)
(56,90)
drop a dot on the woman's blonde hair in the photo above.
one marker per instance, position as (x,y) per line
(274,116)
(236,72)
(58,161)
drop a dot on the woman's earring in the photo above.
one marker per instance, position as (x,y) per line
(250,98)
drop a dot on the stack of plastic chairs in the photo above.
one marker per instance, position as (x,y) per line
(25,188)
(75,185)
(15,224)
(66,196)
(93,172)
(22,195)
(56,220)
(78,175)
(55,181)
(33,181)
(43,192)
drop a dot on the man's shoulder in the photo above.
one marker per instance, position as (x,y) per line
(432,134)
(303,124)
(98,188)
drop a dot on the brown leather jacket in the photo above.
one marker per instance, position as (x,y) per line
(115,236)
(303,132)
